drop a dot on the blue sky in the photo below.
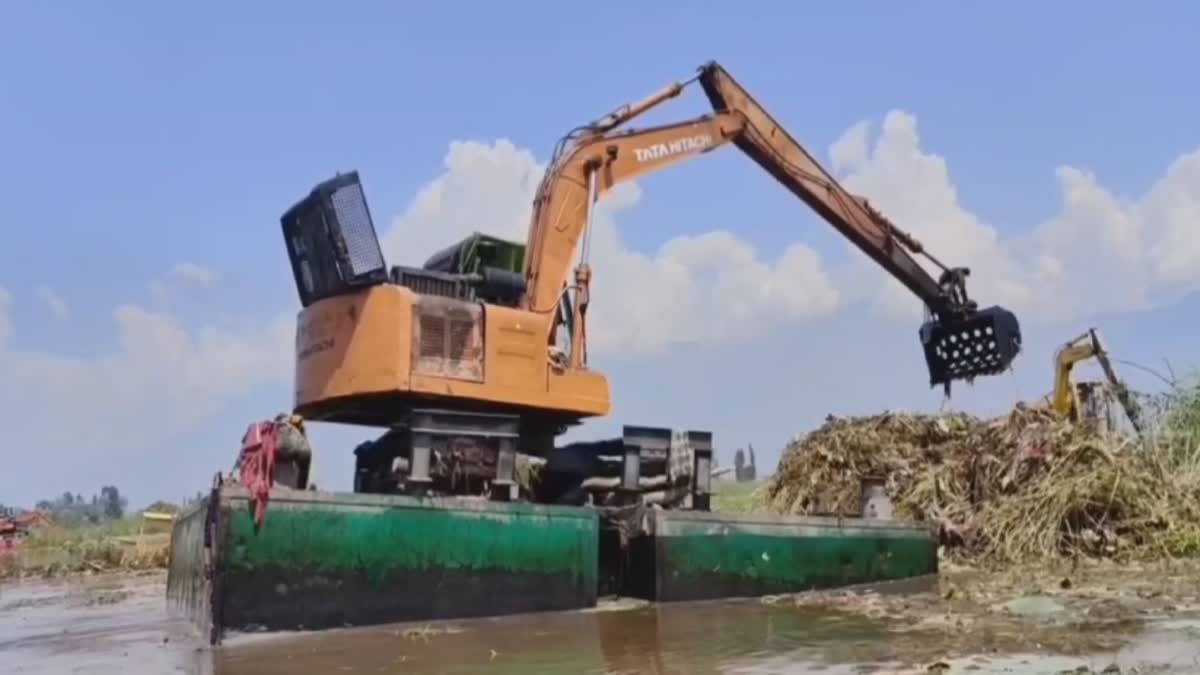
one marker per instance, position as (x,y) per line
(149,150)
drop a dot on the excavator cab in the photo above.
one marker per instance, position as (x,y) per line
(331,241)
(983,342)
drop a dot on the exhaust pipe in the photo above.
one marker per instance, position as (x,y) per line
(985,343)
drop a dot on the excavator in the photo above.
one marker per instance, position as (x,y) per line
(1066,399)
(480,354)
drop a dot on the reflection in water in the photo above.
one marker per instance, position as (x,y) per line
(688,638)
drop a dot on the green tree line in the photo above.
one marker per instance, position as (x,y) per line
(71,510)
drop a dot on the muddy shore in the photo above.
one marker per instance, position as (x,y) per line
(1093,616)
(1090,617)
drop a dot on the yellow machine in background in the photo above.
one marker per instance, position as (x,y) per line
(1066,399)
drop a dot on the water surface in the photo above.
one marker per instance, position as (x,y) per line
(120,625)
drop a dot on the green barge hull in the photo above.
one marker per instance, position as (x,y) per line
(695,555)
(324,560)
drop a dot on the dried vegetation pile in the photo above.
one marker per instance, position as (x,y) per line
(1023,486)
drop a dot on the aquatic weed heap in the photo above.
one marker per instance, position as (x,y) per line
(1025,485)
(820,472)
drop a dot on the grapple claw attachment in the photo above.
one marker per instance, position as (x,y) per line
(963,349)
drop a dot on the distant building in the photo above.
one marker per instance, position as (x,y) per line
(14,529)
(32,520)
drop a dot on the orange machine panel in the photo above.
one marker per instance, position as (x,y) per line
(388,339)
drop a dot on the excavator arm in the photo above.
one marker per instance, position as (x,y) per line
(770,146)
(960,341)
(1065,399)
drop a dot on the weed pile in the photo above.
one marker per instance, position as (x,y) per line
(1027,485)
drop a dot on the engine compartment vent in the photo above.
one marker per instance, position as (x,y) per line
(448,338)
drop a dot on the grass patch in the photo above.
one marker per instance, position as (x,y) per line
(127,544)
(732,497)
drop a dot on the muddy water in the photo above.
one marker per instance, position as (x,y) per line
(108,624)
(725,637)
(120,625)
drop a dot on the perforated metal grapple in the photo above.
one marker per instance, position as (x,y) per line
(984,342)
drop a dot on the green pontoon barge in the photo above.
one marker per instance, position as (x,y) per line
(329,559)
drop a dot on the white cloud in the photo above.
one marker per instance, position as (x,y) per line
(913,189)
(709,288)
(54,302)
(182,273)
(852,149)
(194,274)
(160,379)
(1100,253)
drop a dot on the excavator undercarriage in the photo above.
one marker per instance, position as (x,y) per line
(476,362)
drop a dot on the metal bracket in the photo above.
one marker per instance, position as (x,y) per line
(702,449)
(430,423)
(641,444)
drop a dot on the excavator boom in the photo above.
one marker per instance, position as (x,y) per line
(960,341)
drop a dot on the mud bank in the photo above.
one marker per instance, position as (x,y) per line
(1074,617)
(1088,618)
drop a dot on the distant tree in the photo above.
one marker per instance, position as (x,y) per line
(739,465)
(112,504)
(72,510)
